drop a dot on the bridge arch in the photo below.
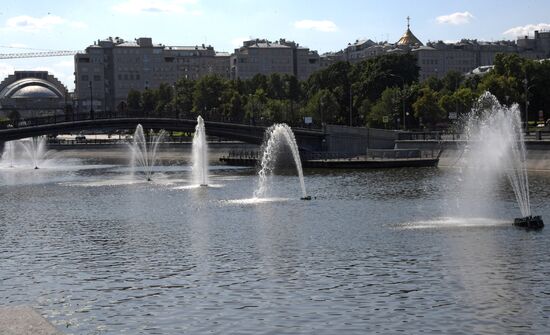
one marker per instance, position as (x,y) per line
(307,139)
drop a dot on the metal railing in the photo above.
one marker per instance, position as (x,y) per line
(539,135)
(102,115)
(371,154)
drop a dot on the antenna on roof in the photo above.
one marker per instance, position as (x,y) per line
(408,22)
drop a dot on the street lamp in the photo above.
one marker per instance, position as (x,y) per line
(350,106)
(402,98)
(91,101)
(527,88)
(321,105)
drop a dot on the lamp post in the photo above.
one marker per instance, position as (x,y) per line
(320,107)
(527,88)
(402,98)
(91,101)
(350,106)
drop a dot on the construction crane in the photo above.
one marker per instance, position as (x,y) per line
(41,53)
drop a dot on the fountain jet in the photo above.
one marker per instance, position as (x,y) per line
(144,154)
(9,153)
(35,148)
(277,135)
(200,155)
(496,143)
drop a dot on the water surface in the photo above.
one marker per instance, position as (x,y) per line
(382,251)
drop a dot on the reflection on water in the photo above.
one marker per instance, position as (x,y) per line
(375,252)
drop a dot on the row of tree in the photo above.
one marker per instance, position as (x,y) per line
(382,92)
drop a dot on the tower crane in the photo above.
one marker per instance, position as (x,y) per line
(35,53)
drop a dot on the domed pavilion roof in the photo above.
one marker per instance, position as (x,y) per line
(31,88)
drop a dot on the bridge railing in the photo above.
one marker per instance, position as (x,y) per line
(101,115)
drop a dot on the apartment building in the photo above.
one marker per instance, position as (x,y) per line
(109,69)
(266,57)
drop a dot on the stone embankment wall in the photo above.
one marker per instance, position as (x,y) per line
(538,152)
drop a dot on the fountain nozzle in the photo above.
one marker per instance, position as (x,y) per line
(529,222)
(36,167)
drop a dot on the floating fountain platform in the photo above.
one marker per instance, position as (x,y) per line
(307,197)
(530,222)
(204,185)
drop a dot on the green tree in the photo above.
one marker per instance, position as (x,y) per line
(386,108)
(323,107)
(254,107)
(149,101)
(275,87)
(374,75)
(460,102)
(183,97)
(427,107)
(335,78)
(207,94)
(505,89)
(134,100)
(164,104)
(452,80)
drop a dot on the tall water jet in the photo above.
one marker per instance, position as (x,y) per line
(496,146)
(9,153)
(200,155)
(276,136)
(144,154)
(35,149)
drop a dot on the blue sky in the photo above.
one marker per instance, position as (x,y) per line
(320,25)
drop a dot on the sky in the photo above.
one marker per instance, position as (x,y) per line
(318,24)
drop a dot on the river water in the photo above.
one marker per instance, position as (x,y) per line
(381,251)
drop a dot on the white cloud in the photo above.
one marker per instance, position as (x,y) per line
(320,25)
(457,18)
(526,30)
(157,6)
(29,24)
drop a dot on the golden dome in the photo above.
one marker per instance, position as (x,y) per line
(408,37)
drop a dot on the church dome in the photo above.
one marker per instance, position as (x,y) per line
(408,38)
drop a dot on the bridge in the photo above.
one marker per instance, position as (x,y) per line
(308,140)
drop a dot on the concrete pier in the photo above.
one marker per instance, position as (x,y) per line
(23,320)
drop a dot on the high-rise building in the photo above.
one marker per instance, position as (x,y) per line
(109,69)
(265,57)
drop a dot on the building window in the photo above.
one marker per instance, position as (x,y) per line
(97,78)
(85,77)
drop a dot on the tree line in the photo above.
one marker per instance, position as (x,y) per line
(381,92)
